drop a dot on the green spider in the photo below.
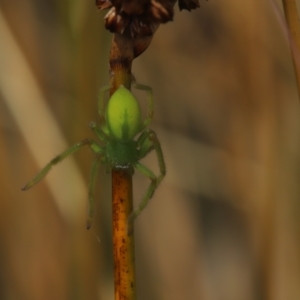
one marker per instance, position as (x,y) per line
(120,123)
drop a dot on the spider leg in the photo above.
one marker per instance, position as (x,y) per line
(92,183)
(101,102)
(150,108)
(149,139)
(87,142)
(99,132)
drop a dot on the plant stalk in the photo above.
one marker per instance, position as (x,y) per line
(293,22)
(120,60)
(123,244)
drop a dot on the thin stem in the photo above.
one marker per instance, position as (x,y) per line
(292,19)
(120,60)
(124,267)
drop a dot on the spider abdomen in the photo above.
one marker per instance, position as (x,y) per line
(123,115)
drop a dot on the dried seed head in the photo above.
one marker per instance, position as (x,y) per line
(103,4)
(160,12)
(114,22)
(139,19)
(188,4)
(136,18)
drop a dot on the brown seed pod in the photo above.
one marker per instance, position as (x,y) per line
(136,18)
(103,4)
(139,19)
(188,4)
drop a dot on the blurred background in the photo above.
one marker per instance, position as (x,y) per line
(223,225)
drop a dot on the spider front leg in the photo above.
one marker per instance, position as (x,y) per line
(102,136)
(147,142)
(99,152)
(101,102)
(150,107)
(59,158)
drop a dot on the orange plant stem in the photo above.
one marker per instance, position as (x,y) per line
(120,60)
(124,267)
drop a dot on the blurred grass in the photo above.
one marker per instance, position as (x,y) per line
(225,222)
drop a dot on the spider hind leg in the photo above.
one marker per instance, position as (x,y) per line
(149,139)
